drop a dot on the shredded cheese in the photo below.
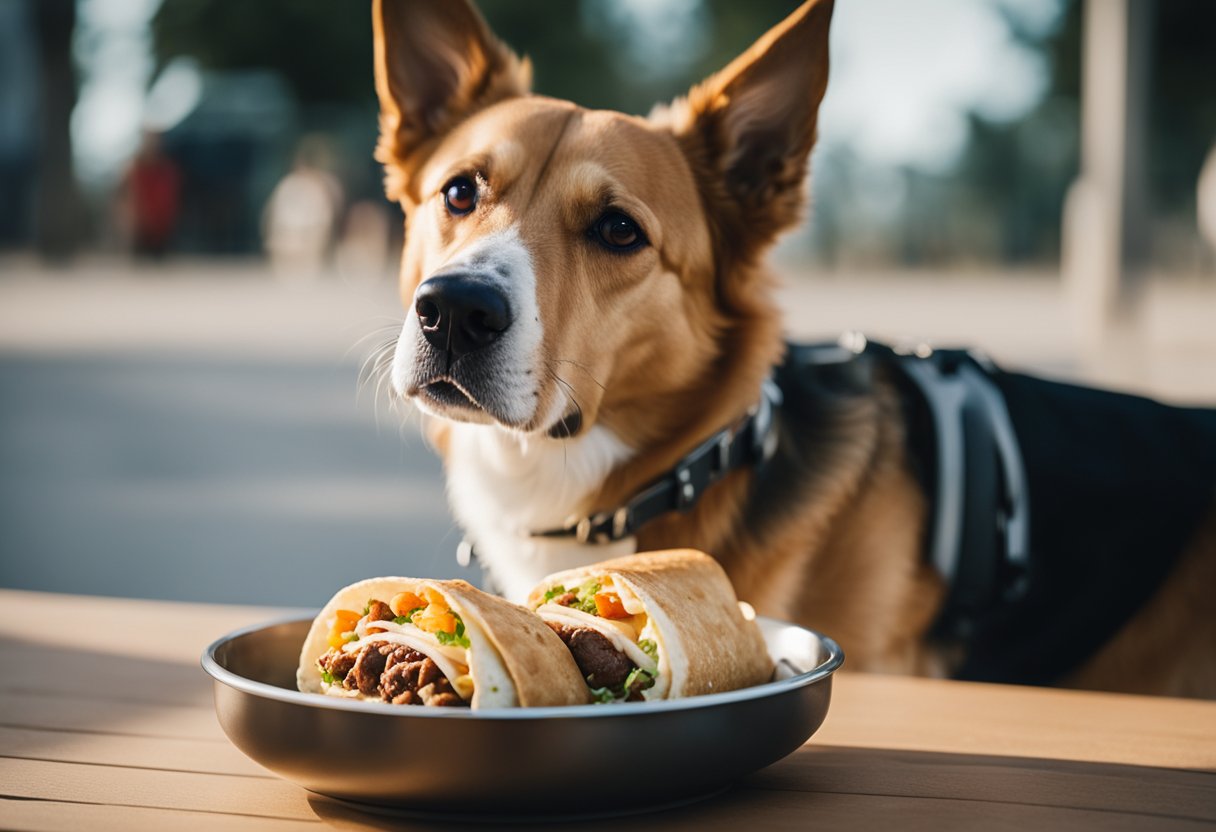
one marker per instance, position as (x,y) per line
(632,604)
(662,681)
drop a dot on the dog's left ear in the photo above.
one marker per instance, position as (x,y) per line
(436,63)
(749,129)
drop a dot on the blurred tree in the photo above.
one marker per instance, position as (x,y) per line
(324,48)
(58,207)
(1017,173)
(1002,202)
(1182,102)
(323,51)
(1014,175)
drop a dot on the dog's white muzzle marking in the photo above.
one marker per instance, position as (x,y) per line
(502,261)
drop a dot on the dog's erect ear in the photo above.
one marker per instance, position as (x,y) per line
(748,130)
(436,63)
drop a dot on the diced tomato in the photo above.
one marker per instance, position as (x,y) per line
(403,602)
(344,622)
(434,621)
(608,605)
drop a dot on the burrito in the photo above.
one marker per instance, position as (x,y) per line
(438,644)
(657,625)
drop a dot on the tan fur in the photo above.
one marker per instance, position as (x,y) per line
(848,562)
(666,345)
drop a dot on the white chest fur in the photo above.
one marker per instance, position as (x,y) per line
(502,486)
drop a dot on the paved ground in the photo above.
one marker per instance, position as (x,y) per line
(193,432)
(197,435)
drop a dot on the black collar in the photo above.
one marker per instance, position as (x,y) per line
(748,442)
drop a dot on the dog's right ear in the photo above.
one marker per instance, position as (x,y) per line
(748,130)
(436,63)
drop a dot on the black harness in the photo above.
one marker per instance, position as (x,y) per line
(1057,510)
(965,452)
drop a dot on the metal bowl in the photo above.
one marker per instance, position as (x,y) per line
(520,762)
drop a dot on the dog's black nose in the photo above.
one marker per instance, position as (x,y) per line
(461,313)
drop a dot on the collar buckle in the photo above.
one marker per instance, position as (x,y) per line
(582,529)
(686,491)
(602,527)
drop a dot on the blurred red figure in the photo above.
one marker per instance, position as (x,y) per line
(153,185)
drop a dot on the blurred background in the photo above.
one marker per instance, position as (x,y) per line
(195,255)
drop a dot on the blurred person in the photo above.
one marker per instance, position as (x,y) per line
(301,215)
(1205,199)
(152,191)
(362,252)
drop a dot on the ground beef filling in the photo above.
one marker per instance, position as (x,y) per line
(393,673)
(602,665)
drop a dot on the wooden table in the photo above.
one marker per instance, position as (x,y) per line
(106,721)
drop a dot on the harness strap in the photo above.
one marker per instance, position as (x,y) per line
(979,538)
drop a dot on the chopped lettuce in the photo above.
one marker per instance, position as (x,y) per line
(585,597)
(327,677)
(603,696)
(408,618)
(458,638)
(638,680)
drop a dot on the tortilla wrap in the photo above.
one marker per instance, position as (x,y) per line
(513,658)
(705,643)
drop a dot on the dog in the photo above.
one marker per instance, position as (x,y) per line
(591,333)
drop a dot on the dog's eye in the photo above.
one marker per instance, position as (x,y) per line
(618,232)
(460,196)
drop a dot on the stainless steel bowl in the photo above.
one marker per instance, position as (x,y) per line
(522,762)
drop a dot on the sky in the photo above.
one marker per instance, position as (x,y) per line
(904,74)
